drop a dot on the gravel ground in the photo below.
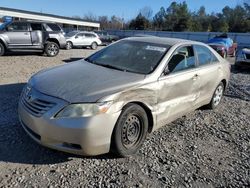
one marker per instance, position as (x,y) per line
(202,149)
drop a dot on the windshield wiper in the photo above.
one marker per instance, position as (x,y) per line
(106,65)
(110,66)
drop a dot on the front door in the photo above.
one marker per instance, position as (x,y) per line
(18,34)
(179,88)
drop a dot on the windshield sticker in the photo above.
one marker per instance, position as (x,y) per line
(156,48)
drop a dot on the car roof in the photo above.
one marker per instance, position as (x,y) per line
(34,21)
(161,40)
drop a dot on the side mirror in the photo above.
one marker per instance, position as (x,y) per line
(166,71)
(76,37)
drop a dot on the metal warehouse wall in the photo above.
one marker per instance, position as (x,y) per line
(243,39)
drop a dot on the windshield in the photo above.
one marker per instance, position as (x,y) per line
(71,34)
(131,56)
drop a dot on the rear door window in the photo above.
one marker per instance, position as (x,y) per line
(205,56)
(36,27)
(88,35)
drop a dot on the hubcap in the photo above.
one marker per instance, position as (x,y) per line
(94,46)
(131,131)
(218,95)
(69,46)
(52,49)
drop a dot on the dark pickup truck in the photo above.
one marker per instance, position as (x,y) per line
(32,36)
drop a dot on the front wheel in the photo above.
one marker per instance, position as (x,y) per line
(51,49)
(130,131)
(2,49)
(217,96)
(94,46)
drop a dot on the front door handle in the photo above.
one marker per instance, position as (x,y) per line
(26,33)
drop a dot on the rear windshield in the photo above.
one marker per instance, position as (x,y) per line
(131,56)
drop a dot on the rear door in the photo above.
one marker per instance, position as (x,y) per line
(37,33)
(179,89)
(210,71)
(18,34)
(89,38)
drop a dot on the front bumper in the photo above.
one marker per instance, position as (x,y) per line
(84,136)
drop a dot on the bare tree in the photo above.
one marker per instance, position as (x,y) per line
(90,17)
(146,12)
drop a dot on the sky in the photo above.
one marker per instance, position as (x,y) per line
(126,9)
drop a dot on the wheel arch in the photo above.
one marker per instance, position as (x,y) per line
(148,112)
(3,43)
(224,81)
(53,40)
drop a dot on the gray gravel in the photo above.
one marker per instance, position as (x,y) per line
(202,149)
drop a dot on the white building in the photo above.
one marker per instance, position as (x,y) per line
(66,22)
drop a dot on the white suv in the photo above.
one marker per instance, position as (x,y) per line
(82,39)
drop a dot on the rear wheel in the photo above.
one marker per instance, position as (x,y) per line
(130,131)
(94,45)
(217,96)
(2,49)
(51,49)
(69,45)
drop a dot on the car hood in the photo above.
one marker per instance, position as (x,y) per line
(83,82)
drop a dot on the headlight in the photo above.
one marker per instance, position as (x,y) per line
(84,110)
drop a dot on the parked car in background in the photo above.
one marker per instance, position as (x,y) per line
(111,100)
(106,38)
(243,58)
(32,36)
(82,39)
(223,45)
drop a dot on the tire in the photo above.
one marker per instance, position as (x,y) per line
(51,49)
(2,49)
(94,46)
(69,45)
(130,131)
(217,96)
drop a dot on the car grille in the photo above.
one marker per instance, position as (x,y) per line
(34,105)
(247,56)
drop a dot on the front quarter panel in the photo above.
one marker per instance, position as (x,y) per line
(145,95)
